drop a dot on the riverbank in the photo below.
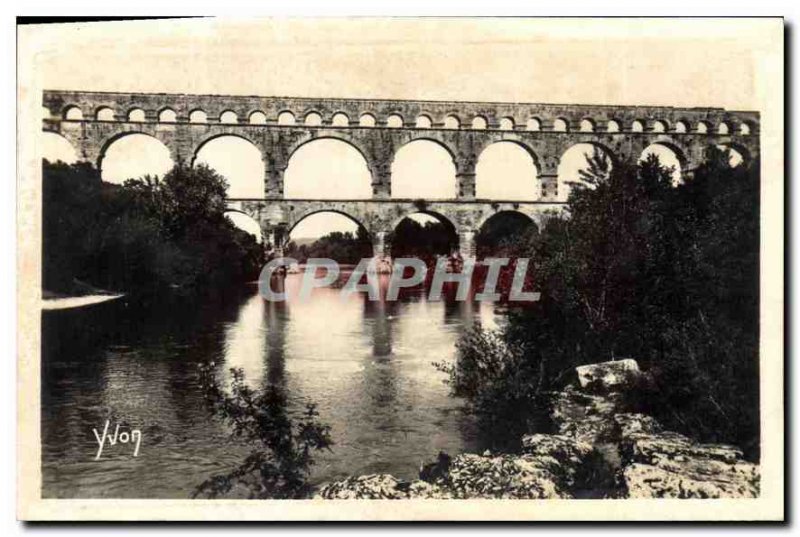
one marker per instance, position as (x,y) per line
(600,450)
(66,302)
(80,294)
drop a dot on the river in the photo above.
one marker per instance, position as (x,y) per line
(367,365)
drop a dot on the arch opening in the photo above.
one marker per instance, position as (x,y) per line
(167,116)
(424,122)
(425,235)
(479,123)
(238,161)
(681,127)
(506,124)
(737,155)
(286,118)
(327,168)
(668,157)
(136,115)
(132,156)
(504,234)
(394,121)
(258,118)
(587,125)
(660,126)
(46,114)
(340,119)
(423,169)
(534,124)
(452,122)
(580,165)
(366,120)
(613,125)
(507,171)
(637,126)
(744,129)
(228,117)
(73,113)
(245,223)
(560,125)
(198,116)
(313,119)
(56,148)
(330,234)
(105,114)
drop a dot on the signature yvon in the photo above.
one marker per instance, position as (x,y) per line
(123,437)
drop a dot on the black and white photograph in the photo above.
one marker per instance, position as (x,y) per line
(285,269)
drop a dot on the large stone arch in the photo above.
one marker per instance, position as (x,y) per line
(326,134)
(57,147)
(425,136)
(307,138)
(533,218)
(535,186)
(243,164)
(512,138)
(406,142)
(117,136)
(674,146)
(443,215)
(216,135)
(599,144)
(295,219)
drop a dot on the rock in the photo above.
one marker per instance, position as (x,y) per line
(566,450)
(601,450)
(607,376)
(506,477)
(664,464)
(654,448)
(630,424)
(365,487)
(586,417)
(570,453)
(648,481)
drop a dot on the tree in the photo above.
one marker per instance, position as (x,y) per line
(147,234)
(642,269)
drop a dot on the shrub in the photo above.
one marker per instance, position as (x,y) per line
(281,456)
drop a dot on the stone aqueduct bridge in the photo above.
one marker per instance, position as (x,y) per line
(278,126)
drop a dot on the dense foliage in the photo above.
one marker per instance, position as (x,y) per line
(640,268)
(147,234)
(343,247)
(281,455)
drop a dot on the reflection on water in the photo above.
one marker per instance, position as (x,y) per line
(367,365)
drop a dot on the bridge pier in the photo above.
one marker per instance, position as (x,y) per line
(275,240)
(382,252)
(466,244)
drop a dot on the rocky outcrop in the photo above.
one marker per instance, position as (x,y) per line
(663,464)
(600,451)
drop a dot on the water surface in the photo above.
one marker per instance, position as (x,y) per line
(367,365)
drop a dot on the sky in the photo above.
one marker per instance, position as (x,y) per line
(610,61)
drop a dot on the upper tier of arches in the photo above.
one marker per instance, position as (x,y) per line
(83,106)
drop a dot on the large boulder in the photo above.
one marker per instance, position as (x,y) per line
(665,464)
(608,376)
